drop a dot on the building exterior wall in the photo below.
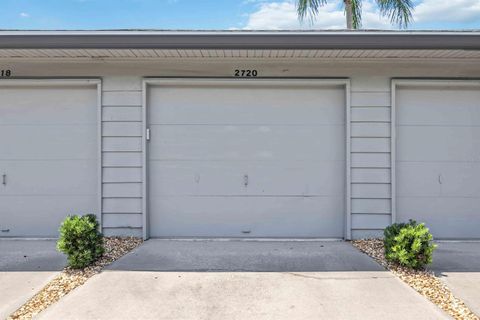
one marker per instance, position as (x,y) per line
(122,156)
(370,127)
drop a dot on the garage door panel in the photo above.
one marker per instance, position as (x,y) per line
(247,104)
(48,105)
(447,217)
(451,105)
(287,137)
(40,177)
(264,178)
(40,216)
(439,179)
(48,142)
(262,216)
(423,179)
(438,143)
(247,142)
(438,158)
(461,179)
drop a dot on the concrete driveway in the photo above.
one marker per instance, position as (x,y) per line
(244,280)
(25,267)
(458,265)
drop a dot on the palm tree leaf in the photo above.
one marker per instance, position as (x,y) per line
(398,11)
(309,8)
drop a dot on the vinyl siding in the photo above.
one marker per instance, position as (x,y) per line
(370,162)
(122,156)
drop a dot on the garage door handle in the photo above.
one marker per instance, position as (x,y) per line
(4,179)
(440,180)
(245,180)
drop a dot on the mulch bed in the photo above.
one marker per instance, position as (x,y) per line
(423,281)
(70,279)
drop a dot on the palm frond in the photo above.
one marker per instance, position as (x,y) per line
(398,11)
(309,8)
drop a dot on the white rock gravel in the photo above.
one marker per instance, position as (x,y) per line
(423,281)
(69,279)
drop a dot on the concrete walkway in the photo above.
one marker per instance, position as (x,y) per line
(458,265)
(300,280)
(25,267)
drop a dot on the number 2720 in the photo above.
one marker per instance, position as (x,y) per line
(246,73)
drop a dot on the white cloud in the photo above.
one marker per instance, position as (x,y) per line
(24,15)
(447,11)
(283,16)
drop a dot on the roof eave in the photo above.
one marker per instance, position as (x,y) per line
(243,40)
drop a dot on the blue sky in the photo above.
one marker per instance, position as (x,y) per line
(218,14)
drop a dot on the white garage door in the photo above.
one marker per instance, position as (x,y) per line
(247,158)
(438,158)
(48,156)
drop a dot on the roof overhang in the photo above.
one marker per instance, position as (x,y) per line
(132,44)
(300,40)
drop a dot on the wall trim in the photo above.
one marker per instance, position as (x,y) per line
(145,205)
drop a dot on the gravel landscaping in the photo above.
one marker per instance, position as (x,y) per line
(423,281)
(70,279)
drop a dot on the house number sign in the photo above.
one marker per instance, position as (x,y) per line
(245,73)
(5,73)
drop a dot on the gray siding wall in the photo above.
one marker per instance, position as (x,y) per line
(371,116)
(122,156)
(370,162)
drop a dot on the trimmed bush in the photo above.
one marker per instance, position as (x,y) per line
(392,231)
(409,244)
(81,240)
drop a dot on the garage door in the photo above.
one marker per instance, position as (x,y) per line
(438,158)
(246,158)
(48,156)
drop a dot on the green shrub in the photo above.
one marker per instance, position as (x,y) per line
(392,231)
(81,240)
(409,244)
